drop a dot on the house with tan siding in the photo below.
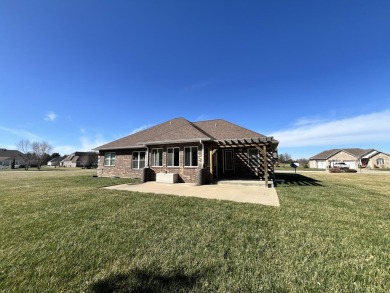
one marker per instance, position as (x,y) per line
(354,157)
(196,152)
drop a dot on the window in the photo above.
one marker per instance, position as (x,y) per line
(253,157)
(109,159)
(173,157)
(139,160)
(157,157)
(191,156)
(380,161)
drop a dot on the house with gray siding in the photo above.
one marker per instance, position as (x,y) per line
(9,156)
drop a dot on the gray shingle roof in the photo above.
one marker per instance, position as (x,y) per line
(356,152)
(10,154)
(221,129)
(57,159)
(182,130)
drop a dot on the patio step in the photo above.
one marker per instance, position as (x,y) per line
(243,182)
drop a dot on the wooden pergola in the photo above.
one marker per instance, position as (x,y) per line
(261,143)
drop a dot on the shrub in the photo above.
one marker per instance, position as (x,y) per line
(335,170)
(350,171)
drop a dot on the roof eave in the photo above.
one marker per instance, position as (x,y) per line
(119,148)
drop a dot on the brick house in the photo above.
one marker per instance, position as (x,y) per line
(354,157)
(79,159)
(198,152)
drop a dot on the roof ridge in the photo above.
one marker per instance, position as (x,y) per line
(201,130)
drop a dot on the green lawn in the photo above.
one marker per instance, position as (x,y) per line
(61,232)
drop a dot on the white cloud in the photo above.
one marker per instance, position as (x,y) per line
(51,116)
(64,149)
(197,86)
(87,143)
(20,133)
(304,121)
(143,127)
(373,127)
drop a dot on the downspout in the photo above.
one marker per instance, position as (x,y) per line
(202,165)
(200,171)
(147,157)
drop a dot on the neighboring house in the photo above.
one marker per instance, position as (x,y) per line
(376,159)
(7,157)
(55,162)
(197,152)
(354,157)
(80,159)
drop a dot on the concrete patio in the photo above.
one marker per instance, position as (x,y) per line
(235,192)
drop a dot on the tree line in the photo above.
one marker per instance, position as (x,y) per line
(287,159)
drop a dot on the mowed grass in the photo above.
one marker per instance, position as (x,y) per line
(62,232)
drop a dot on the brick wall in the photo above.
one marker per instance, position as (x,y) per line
(123,166)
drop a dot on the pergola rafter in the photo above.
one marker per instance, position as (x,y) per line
(263,144)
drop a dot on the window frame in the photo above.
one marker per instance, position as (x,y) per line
(111,156)
(173,158)
(380,161)
(160,159)
(138,160)
(191,158)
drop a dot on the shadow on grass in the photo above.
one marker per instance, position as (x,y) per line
(144,281)
(287,179)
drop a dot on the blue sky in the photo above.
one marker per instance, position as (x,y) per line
(314,74)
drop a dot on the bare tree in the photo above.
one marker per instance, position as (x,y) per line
(24,146)
(303,161)
(40,151)
(285,158)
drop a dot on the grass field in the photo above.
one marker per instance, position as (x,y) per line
(61,232)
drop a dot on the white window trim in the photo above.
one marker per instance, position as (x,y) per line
(173,166)
(162,155)
(110,159)
(197,151)
(380,161)
(138,159)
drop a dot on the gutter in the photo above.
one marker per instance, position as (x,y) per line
(119,148)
